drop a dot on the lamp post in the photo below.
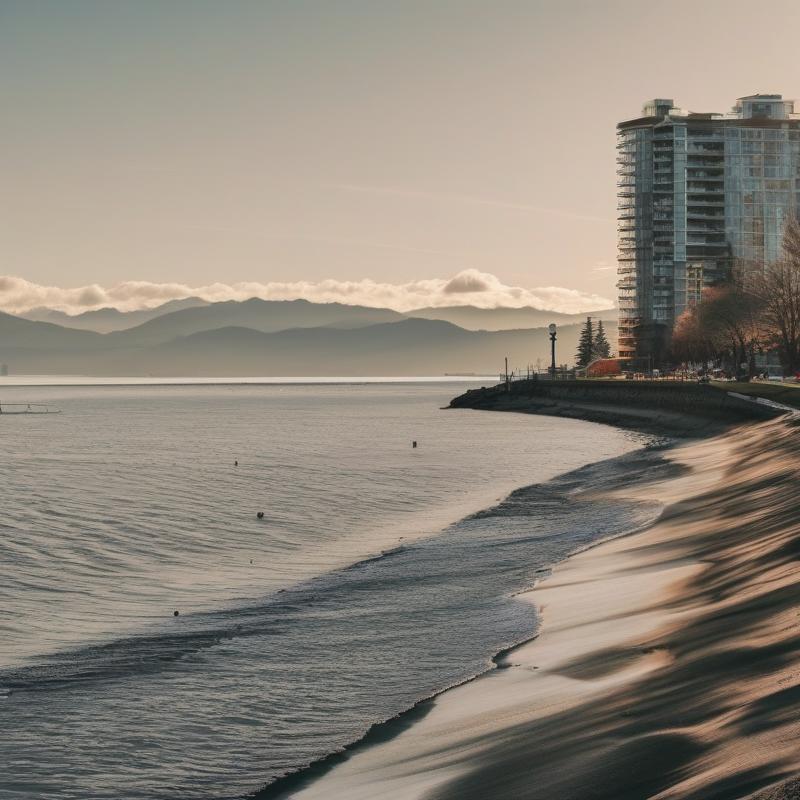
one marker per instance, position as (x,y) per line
(552,329)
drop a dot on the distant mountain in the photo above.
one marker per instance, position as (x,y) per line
(408,347)
(105,320)
(270,316)
(497,319)
(16,332)
(404,347)
(266,316)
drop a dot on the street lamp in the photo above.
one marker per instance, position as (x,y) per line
(552,329)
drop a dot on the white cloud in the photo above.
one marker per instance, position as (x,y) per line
(469,287)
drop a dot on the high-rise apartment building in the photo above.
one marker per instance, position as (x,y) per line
(698,192)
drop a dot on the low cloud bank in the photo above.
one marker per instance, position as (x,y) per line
(469,287)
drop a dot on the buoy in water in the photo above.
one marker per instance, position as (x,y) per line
(175,613)
(260,515)
(236,463)
(414,443)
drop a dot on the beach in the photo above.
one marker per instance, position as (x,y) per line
(667,665)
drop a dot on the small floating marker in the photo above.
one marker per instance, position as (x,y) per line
(414,444)
(176,613)
(260,515)
(251,560)
(236,463)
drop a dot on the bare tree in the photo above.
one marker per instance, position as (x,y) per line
(735,312)
(779,289)
(727,324)
(690,343)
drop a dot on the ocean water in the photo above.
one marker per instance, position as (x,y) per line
(380,574)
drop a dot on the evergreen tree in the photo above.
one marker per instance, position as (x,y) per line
(602,349)
(585,344)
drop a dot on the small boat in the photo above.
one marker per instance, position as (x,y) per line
(27,408)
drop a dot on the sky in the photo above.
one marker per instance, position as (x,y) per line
(375,151)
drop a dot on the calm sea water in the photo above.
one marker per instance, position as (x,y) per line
(371,581)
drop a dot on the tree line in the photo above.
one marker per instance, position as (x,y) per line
(756,310)
(592,343)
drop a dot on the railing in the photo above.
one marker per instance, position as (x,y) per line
(562,373)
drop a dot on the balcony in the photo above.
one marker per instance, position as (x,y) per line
(711,195)
(704,230)
(705,215)
(706,243)
(705,148)
(696,161)
(706,202)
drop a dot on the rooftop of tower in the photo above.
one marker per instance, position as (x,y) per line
(749,107)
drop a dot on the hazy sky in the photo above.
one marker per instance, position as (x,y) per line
(400,141)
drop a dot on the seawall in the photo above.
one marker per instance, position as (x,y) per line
(685,409)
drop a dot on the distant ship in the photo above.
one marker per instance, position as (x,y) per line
(27,408)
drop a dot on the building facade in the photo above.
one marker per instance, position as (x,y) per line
(696,193)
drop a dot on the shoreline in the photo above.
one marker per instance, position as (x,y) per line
(472,742)
(286,785)
(677,409)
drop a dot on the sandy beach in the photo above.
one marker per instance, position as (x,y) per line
(668,664)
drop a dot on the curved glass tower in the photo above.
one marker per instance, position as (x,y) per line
(696,192)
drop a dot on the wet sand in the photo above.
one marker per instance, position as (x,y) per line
(668,665)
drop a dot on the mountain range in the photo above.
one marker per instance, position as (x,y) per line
(286,338)
(105,320)
(304,314)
